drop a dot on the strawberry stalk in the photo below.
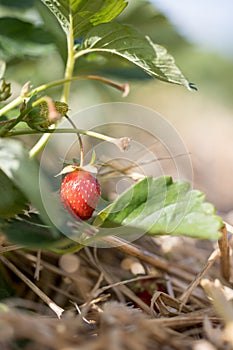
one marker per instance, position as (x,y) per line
(79,140)
(124,88)
(122,143)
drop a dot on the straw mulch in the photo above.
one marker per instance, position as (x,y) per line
(164,293)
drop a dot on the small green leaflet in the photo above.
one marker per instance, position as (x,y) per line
(161,206)
(84,14)
(127,43)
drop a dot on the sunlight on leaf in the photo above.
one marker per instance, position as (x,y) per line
(85,14)
(127,43)
(161,206)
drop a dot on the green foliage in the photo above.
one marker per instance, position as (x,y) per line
(28,231)
(161,206)
(90,19)
(84,14)
(52,26)
(24,173)
(128,43)
(87,29)
(19,38)
(18,4)
(12,200)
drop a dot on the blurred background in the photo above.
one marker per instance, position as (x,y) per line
(198,34)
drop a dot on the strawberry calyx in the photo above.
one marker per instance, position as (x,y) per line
(70,168)
(75,165)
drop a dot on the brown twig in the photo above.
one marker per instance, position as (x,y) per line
(225,254)
(10,248)
(213,257)
(184,320)
(138,252)
(57,309)
(38,266)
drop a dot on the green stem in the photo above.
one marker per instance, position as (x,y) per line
(16,102)
(13,122)
(45,137)
(8,121)
(70,61)
(39,145)
(121,87)
(7,127)
(79,140)
(62,131)
(65,94)
(73,249)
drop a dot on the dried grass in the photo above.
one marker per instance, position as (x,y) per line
(164,293)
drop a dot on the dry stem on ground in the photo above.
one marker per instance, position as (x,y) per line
(163,293)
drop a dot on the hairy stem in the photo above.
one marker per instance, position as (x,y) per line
(16,102)
(43,87)
(70,62)
(79,140)
(63,131)
(65,94)
(7,127)
(14,121)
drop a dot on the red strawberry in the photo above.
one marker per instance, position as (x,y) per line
(80,192)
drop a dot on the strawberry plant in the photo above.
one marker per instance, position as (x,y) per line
(83,32)
(113,175)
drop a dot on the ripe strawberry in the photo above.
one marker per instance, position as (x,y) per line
(80,192)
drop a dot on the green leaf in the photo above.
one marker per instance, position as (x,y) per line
(28,231)
(161,206)
(12,199)
(127,43)
(24,173)
(84,14)
(18,4)
(52,26)
(19,38)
